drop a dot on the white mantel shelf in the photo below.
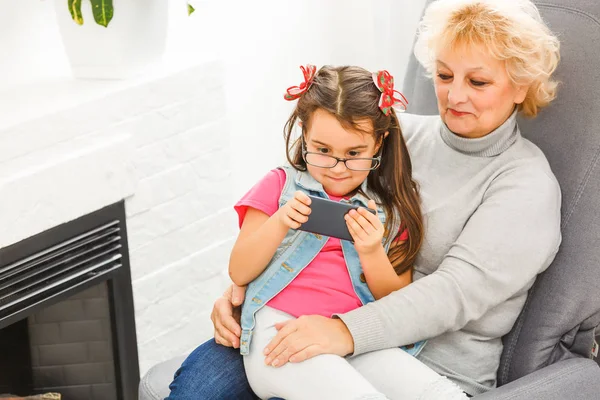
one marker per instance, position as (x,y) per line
(47,95)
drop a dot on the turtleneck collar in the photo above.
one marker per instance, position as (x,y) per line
(490,145)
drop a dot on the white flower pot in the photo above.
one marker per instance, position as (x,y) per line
(133,41)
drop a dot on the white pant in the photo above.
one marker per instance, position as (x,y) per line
(384,374)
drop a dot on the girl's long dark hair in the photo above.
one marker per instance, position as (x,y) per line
(349,94)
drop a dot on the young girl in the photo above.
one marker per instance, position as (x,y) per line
(350,150)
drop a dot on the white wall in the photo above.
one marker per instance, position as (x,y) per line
(260,44)
(269,39)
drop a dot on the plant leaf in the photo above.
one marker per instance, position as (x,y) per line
(190,9)
(75,10)
(103,11)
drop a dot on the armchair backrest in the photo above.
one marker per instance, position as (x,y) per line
(562,311)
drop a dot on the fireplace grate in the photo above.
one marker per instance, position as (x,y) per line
(47,273)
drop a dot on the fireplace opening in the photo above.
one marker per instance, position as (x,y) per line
(67,321)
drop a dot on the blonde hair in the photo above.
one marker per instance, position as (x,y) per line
(509,30)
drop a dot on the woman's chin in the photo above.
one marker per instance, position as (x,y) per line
(458,127)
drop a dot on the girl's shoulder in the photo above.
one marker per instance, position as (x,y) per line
(277,177)
(269,186)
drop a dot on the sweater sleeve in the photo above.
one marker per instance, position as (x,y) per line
(510,238)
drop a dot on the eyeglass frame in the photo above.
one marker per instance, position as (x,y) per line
(344,160)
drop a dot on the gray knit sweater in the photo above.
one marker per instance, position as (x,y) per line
(492,217)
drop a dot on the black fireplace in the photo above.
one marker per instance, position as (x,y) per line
(66,311)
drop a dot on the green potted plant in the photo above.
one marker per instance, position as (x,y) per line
(127,38)
(103,11)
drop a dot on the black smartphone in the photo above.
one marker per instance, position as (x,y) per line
(327,218)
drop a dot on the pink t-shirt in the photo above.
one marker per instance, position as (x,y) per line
(323,287)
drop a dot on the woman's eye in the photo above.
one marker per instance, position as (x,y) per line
(322,150)
(354,153)
(444,77)
(478,83)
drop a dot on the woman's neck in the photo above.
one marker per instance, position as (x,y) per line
(489,145)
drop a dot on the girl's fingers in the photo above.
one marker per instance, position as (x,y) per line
(355,229)
(369,216)
(294,215)
(350,228)
(353,233)
(371,204)
(302,197)
(300,207)
(291,223)
(362,221)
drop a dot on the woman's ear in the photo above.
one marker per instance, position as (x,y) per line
(521,94)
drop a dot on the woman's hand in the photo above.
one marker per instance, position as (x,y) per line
(308,336)
(366,229)
(296,211)
(226,316)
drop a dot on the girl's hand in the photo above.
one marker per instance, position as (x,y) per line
(366,229)
(306,337)
(296,211)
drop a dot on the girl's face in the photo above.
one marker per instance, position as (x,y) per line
(325,135)
(474,92)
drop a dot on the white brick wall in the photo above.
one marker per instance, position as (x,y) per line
(164,146)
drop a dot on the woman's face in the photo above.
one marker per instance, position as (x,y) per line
(474,92)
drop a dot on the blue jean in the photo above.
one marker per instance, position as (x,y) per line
(212,372)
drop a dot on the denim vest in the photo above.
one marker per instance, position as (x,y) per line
(298,249)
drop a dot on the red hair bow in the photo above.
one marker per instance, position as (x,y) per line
(385,83)
(294,92)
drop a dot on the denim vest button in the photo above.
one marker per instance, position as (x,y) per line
(362,278)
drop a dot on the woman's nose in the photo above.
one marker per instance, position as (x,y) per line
(457,94)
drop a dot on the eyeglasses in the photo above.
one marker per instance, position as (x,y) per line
(326,161)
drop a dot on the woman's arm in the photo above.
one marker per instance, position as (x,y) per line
(380,275)
(259,237)
(510,238)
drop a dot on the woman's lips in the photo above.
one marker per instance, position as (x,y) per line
(458,113)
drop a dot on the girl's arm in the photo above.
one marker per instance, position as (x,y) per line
(259,237)
(380,275)
(367,231)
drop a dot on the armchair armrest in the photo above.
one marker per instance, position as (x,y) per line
(573,379)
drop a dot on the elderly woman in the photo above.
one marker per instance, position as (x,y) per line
(492,214)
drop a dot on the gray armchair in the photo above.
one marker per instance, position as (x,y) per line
(548,353)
